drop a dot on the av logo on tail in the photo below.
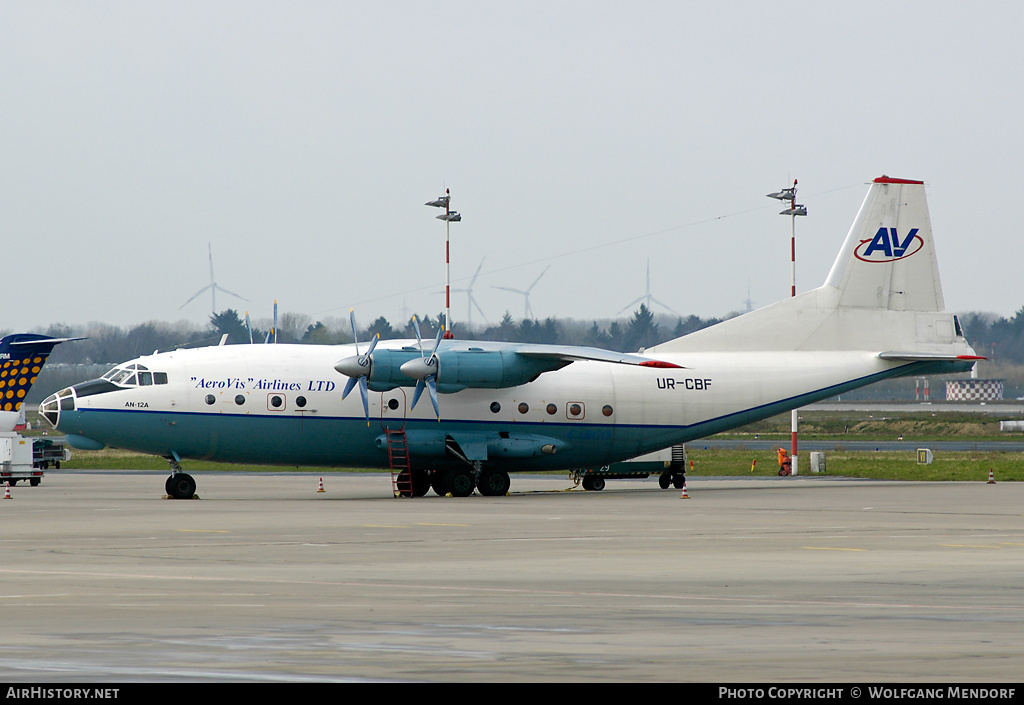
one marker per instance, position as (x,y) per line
(886,246)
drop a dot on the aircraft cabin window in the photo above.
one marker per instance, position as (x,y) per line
(606,410)
(495,407)
(523,407)
(240,399)
(551,409)
(300,402)
(210,399)
(145,379)
(160,377)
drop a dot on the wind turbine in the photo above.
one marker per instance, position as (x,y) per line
(212,286)
(748,305)
(527,311)
(647,297)
(470,300)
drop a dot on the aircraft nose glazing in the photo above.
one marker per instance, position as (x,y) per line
(51,407)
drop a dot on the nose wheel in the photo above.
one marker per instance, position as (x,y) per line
(179,485)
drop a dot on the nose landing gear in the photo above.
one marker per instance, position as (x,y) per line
(179,485)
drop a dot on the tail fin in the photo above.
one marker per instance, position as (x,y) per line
(888,260)
(882,294)
(22,356)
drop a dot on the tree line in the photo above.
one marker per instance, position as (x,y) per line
(998,338)
(107,344)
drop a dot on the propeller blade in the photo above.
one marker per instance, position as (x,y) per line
(420,386)
(248,327)
(373,344)
(272,333)
(352,319)
(349,386)
(366,398)
(416,328)
(432,388)
(437,341)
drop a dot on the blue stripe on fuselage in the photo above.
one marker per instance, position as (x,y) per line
(349,442)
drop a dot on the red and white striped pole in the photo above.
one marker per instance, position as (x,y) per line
(447,268)
(789,194)
(794,414)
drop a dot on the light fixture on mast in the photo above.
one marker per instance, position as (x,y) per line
(795,209)
(449,216)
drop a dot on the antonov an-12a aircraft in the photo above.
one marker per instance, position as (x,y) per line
(498,408)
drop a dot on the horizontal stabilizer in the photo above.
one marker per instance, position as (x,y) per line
(43,341)
(928,357)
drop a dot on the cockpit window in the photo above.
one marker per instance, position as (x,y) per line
(132,375)
(119,376)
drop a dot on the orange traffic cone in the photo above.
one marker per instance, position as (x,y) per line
(684,495)
(7,492)
(321,489)
(991,477)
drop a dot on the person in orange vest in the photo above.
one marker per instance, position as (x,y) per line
(785,463)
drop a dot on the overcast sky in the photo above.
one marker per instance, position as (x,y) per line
(300,140)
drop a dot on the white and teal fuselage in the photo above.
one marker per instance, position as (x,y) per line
(281,404)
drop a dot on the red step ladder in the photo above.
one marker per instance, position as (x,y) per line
(398,459)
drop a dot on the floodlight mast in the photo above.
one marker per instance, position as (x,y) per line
(795,209)
(448,217)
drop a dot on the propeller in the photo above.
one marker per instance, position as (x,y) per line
(358,368)
(248,327)
(273,331)
(424,369)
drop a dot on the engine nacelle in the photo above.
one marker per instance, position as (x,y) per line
(456,369)
(480,369)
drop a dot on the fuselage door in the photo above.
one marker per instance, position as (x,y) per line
(393,406)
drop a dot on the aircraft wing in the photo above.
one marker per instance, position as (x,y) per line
(573,353)
(456,365)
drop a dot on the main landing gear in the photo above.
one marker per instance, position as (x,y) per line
(460,482)
(179,485)
(676,479)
